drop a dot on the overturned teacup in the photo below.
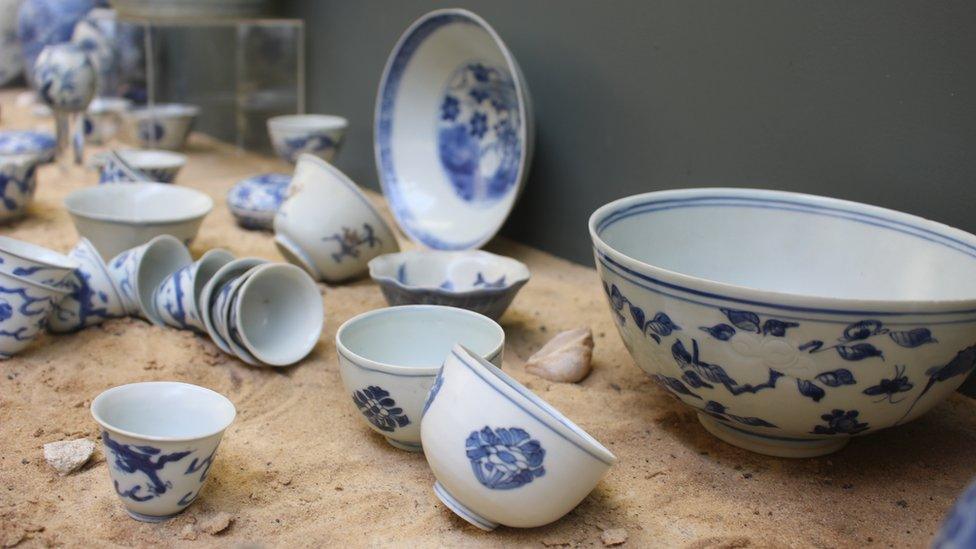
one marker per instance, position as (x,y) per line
(160,439)
(24,309)
(92,296)
(33,262)
(175,299)
(137,272)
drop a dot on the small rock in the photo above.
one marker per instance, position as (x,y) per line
(613,536)
(67,456)
(188,532)
(566,358)
(217,523)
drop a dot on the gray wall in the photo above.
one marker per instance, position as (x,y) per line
(868,100)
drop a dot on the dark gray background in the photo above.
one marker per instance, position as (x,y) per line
(870,100)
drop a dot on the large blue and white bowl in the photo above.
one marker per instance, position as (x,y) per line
(790,322)
(453,131)
(41,145)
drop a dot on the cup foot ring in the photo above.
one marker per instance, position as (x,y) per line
(772,446)
(150,518)
(405,445)
(462,511)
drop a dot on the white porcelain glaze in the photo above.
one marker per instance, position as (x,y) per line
(501,454)
(33,262)
(278,314)
(137,272)
(209,294)
(158,165)
(92,298)
(220,314)
(24,309)
(160,439)
(161,126)
(395,353)
(327,225)
(790,322)
(175,299)
(453,130)
(472,279)
(118,217)
(317,134)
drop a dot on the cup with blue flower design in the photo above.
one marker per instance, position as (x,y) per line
(501,454)
(137,272)
(160,439)
(175,299)
(389,359)
(33,262)
(24,309)
(92,297)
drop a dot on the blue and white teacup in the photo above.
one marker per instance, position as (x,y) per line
(24,309)
(135,165)
(211,291)
(221,312)
(175,299)
(160,439)
(18,181)
(162,126)
(115,169)
(316,134)
(101,121)
(92,298)
(33,262)
(137,272)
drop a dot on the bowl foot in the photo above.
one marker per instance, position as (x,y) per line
(405,445)
(462,511)
(772,446)
(296,256)
(150,518)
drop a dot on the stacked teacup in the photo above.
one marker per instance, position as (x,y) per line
(32,283)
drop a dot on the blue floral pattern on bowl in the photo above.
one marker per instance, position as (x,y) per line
(505,458)
(38,144)
(380,409)
(24,309)
(477,133)
(255,201)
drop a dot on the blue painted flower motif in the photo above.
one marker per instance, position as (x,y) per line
(381,410)
(840,422)
(450,108)
(504,459)
(351,240)
(479,124)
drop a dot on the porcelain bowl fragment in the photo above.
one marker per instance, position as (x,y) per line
(389,359)
(118,217)
(475,280)
(316,134)
(500,454)
(160,439)
(35,263)
(790,322)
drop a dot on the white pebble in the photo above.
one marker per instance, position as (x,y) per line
(565,358)
(67,456)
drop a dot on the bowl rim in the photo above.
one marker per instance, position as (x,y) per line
(168,159)
(408,371)
(53,290)
(525,133)
(789,301)
(295,121)
(221,399)
(381,261)
(33,252)
(218,279)
(102,266)
(515,391)
(70,203)
(164,110)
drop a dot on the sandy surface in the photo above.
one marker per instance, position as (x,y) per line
(299,468)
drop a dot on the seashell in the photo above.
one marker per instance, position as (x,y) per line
(565,358)
(67,456)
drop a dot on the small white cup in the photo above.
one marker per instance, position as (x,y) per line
(295,134)
(24,309)
(92,298)
(327,225)
(175,299)
(159,440)
(389,358)
(137,272)
(33,262)
(221,313)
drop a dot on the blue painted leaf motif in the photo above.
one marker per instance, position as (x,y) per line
(694,380)
(777,328)
(719,411)
(837,378)
(810,389)
(913,338)
(813,345)
(722,332)
(858,351)
(743,320)
(638,315)
(661,325)
(674,385)
(863,329)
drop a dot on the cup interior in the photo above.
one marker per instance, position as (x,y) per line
(163,256)
(139,203)
(152,158)
(419,336)
(280,314)
(165,110)
(163,410)
(210,263)
(307,122)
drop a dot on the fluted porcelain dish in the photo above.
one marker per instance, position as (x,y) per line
(790,322)
(119,217)
(472,279)
(453,130)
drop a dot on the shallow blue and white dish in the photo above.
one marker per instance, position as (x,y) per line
(254,201)
(791,322)
(475,280)
(38,144)
(453,131)
(958,531)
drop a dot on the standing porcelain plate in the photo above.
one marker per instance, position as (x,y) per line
(453,131)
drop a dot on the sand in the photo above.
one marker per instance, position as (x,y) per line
(299,468)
